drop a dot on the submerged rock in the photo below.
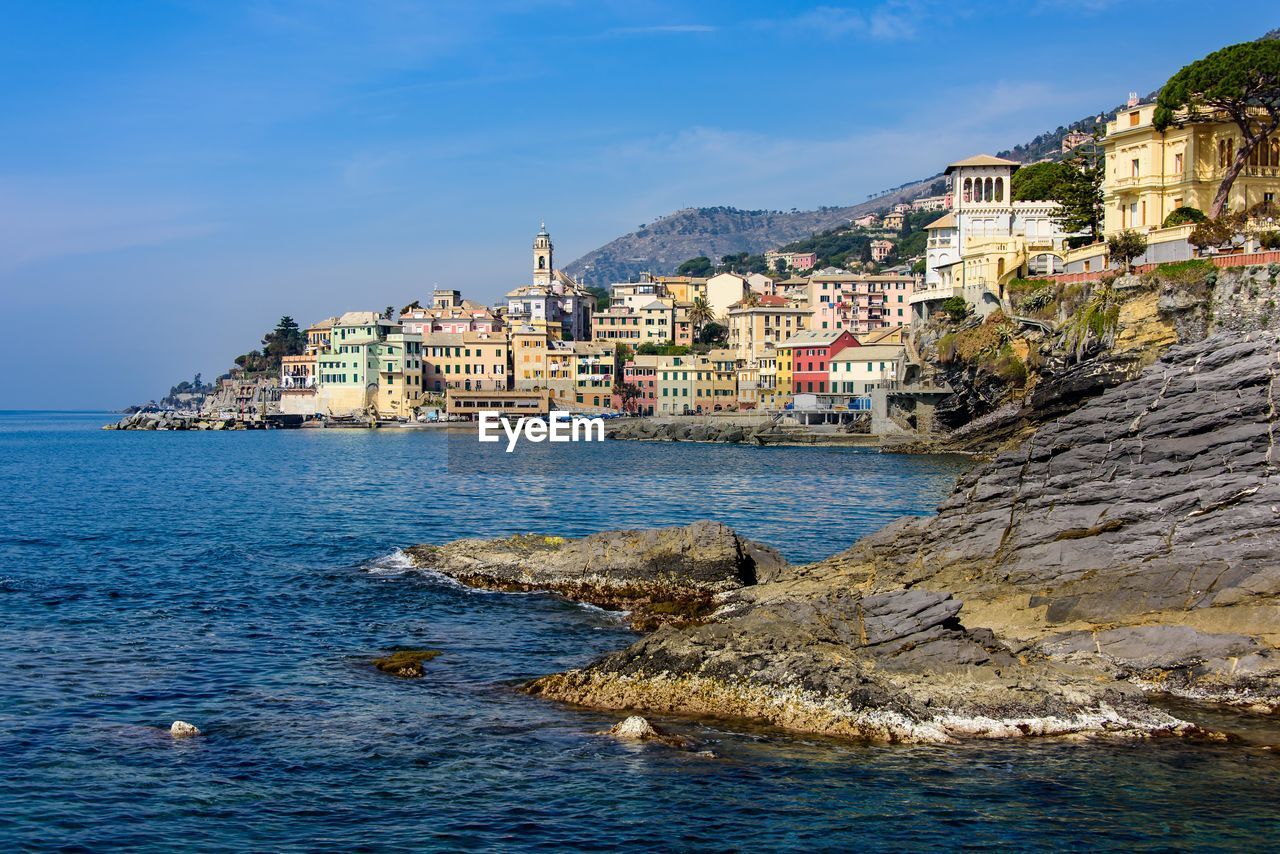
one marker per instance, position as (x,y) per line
(405,663)
(662,575)
(1128,547)
(636,728)
(182,729)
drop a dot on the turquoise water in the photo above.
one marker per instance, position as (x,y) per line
(243,581)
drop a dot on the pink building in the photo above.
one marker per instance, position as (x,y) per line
(465,317)
(641,372)
(860,303)
(881,249)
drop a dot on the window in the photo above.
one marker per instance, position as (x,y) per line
(1133,119)
(1177,164)
(1133,168)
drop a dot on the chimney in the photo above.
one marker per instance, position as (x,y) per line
(1133,99)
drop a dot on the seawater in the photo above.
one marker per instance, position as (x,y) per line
(243,581)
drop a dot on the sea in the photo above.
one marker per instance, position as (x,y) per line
(244,581)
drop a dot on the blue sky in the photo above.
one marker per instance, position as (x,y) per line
(174,176)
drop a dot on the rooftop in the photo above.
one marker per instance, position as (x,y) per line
(870,353)
(981,160)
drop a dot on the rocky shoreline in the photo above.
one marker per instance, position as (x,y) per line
(650,430)
(166,420)
(659,576)
(1123,552)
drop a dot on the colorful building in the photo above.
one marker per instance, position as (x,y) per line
(684,384)
(641,372)
(811,352)
(1150,173)
(860,370)
(859,303)
(371,366)
(766,321)
(468,361)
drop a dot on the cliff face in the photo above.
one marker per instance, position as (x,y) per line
(1126,548)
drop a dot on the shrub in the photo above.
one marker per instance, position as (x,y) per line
(956,307)
(1269,239)
(1184,272)
(1036,301)
(1183,215)
(1009,367)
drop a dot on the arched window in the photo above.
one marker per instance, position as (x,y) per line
(968,189)
(999,189)
(542,262)
(986,193)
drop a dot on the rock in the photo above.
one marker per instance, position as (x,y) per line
(406,663)
(633,727)
(1125,548)
(636,728)
(663,575)
(182,729)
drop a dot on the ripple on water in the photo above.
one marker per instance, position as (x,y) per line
(244,582)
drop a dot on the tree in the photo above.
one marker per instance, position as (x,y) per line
(1080,192)
(603,299)
(956,307)
(780,265)
(698,267)
(1126,246)
(629,393)
(388,312)
(1038,182)
(1219,231)
(1183,215)
(1241,82)
(713,333)
(700,314)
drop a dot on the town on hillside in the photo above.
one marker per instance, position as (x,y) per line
(819,331)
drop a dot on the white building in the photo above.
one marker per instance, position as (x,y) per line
(987,238)
(554,301)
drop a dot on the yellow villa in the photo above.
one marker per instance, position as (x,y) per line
(1150,173)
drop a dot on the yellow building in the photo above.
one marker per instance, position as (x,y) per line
(784,353)
(1151,173)
(769,322)
(683,288)
(467,361)
(685,384)
(724,378)
(529,348)
(580,374)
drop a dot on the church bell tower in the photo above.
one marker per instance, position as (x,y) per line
(542,258)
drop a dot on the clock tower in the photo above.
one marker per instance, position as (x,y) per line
(542,259)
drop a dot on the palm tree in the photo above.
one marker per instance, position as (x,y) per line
(700,314)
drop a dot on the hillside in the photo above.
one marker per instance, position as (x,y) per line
(661,245)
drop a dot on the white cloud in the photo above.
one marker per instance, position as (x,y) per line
(892,21)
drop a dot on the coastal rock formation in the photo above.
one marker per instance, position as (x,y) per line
(636,728)
(182,729)
(1125,549)
(762,433)
(405,663)
(660,576)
